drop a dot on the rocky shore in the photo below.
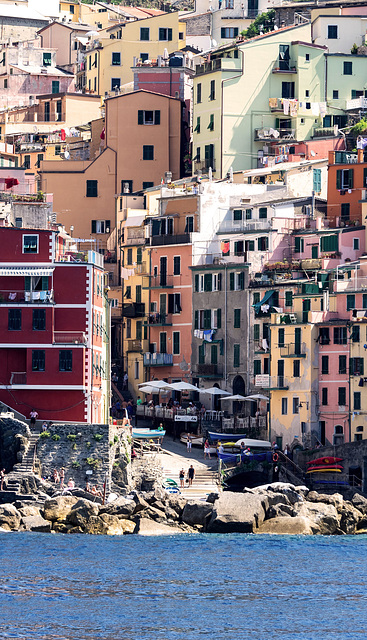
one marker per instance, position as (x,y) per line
(277,508)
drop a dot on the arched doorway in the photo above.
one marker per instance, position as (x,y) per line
(238,387)
(338,437)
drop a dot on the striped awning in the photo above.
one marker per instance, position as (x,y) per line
(26,271)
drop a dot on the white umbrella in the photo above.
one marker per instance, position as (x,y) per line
(257,396)
(149,390)
(183,386)
(157,384)
(237,397)
(214,391)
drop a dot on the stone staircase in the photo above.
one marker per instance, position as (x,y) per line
(205,481)
(26,465)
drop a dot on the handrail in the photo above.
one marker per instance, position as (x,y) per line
(34,456)
(285,459)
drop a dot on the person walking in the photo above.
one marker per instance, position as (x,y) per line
(182,478)
(33,415)
(207,449)
(191,475)
(189,442)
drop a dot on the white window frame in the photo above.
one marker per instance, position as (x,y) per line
(201,282)
(285,400)
(30,235)
(215,282)
(100,226)
(237,276)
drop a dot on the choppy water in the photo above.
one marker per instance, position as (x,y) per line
(183,587)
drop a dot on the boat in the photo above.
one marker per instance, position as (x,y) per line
(325,467)
(325,460)
(146,434)
(234,458)
(321,470)
(254,444)
(196,440)
(213,436)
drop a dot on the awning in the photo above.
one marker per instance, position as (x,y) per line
(265,299)
(82,40)
(134,221)
(26,271)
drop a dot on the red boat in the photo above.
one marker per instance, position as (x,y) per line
(325,460)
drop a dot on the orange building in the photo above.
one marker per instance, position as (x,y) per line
(347,176)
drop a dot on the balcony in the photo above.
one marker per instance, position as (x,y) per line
(14,297)
(208,370)
(137,345)
(162,281)
(134,236)
(158,359)
(69,337)
(269,133)
(133,310)
(180,238)
(219,64)
(244,226)
(204,165)
(278,383)
(160,319)
(293,350)
(356,103)
(284,66)
(18,377)
(345,157)
(142,268)
(325,132)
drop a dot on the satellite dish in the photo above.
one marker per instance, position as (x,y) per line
(214,43)
(67,155)
(313,153)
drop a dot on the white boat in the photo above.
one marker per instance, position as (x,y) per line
(253,444)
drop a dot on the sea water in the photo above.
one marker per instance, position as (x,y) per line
(183,587)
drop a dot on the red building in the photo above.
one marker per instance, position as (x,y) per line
(53,344)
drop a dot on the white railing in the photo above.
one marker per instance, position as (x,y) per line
(356,103)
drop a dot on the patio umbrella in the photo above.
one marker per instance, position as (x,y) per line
(157,384)
(183,386)
(237,397)
(214,391)
(256,396)
(149,389)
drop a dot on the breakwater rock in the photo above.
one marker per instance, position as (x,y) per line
(277,508)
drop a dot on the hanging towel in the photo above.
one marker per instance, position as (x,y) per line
(286,107)
(224,247)
(293,108)
(208,335)
(315,108)
(273,103)
(323,109)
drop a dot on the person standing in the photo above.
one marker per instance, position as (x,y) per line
(182,478)
(62,478)
(189,442)
(125,380)
(33,415)
(207,449)
(191,475)
(2,478)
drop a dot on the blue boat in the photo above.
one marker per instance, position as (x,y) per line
(225,437)
(146,434)
(234,458)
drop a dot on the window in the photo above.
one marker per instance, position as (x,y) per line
(30,244)
(149,117)
(324,365)
(138,293)
(248,214)
(299,245)
(229,32)
(212,90)
(147,185)
(255,298)
(92,189)
(281,337)
(197,157)
(296,368)
(38,360)
(101,226)
(129,256)
(347,68)
(284,406)
(39,320)
(136,369)
(213,354)
(256,332)
(342,365)
(236,356)
(295,405)
(115,83)
(316,180)
(345,212)
(257,367)
(65,360)
(332,32)
(174,304)
(116,58)
(57,149)
(128,327)
(211,122)
(324,396)
(340,335)
(288,298)
(237,319)
(39,159)
(27,162)
(165,34)
(344,179)
(15,320)
(307,57)
(364,301)
(356,244)
(351,301)
(47,59)
(197,128)
(202,354)
(198,93)
(357,400)
(148,152)
(19,222)
(355,333)
(189,226)
(126,186)
(176,343)
(238,248)
(335,94)
(144,33)
(356,366)
(236,281)
(329,243)
(263,243)
(5,83)
(163,342)
(263,213)
(55,86)
(342,396)
(288,90)
(176,265)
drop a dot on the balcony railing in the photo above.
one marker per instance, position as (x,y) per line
(325,132)
(276,104)
(134,236)
(269,133)
(244,226)
(293,350)
(345,157)
(133,310)
(223,64)
(204,165)
(356,103)
(158,359)
(142,268)
(278,382)
(160,319)
(162,281)
(13,296)
(284,66)
(137,345)
(180,238)
(18,377)
(208,370)
(69,337)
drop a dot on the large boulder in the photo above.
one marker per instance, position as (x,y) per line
(324,516)
(298,525)
(292,493)
(350,517)
(140,503)
(122,507)
(279,511)
(57,509)
(9,517)
(177,503)
(36,523)
(94,525)
(146,527)
(360,503)
(117,526)
(197,513)
(82,511)
(236,512)
(336,499)
(29,510)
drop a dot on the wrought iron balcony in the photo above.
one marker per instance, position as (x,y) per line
(284,66)
(158,359)
(133,310)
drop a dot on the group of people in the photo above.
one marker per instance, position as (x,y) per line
(58,477)
(190,475)
(119,409)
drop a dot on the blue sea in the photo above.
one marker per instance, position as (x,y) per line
(185,587)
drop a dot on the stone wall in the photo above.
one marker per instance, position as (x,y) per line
(14,438)
(197,25)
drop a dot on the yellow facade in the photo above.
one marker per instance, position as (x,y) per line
(108,64)
(72,10)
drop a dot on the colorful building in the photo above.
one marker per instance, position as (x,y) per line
(347,180)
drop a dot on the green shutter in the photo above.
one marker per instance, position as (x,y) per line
(219,282)
(208,282)
(350,178)
(202,354)
(196,324)
(140,117)
(169,34)
(157,117)
(242,281)
(214,354)
(256,332)
(237,319)
(27,283)
(44,284)
(231,281)
(365,177)
(196,282)
(223,32)
(219,318)
(235,32)
(207,318)
(94,226)
(139,254)
(339,179)
(257,367)
(236,356)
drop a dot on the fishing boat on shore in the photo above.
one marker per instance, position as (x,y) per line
(146,434)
